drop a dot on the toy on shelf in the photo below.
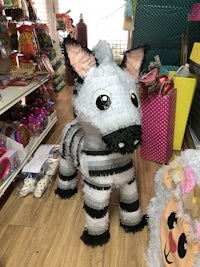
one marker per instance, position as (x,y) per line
(9,161)
(101,138)
(27,43)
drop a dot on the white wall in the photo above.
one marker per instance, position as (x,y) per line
(104,20)
(100,17)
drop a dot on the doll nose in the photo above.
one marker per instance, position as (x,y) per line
(172,243)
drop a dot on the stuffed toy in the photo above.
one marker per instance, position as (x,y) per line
(174,213)
(99,141)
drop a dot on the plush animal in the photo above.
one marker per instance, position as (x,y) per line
(101,138)
(174,213)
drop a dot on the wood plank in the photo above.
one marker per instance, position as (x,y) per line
(16,246)
(46,232)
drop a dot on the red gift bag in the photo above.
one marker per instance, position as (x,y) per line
(158,118)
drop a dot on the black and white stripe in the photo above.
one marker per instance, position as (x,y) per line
(72,143)
(101,170)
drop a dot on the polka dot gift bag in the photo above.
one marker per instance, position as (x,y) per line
(158,118)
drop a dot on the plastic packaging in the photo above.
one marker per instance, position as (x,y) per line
(183,71)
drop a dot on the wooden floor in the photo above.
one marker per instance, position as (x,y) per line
(45,232)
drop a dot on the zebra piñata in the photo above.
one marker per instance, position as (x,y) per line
(101,138)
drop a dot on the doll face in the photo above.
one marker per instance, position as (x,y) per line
(176,249)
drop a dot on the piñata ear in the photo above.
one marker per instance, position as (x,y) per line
(81,59)
(132,61)
(102,51)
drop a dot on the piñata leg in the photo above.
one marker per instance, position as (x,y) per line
(130,213)
(96,201)
(67,180)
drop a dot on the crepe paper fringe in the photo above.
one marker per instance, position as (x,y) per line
(95,240)
(136,228)
(64,194)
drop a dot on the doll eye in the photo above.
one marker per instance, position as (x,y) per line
(102,99)
(134,99)
(172,220)
(182,246)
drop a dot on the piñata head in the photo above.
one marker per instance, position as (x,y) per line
(106,95)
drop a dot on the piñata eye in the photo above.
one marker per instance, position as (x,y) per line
(102,99)
(134,99)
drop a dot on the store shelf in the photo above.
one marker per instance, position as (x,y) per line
(9,97)
(35,143)
(13,94)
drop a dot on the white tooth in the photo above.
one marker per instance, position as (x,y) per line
(135,142)
(121,145)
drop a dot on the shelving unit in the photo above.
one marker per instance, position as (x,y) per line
(10,96)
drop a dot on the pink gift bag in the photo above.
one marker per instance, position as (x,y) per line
(158,118)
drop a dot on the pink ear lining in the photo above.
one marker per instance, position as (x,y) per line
(133,61)
(80,59)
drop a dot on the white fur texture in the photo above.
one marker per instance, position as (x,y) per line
(97,226)
(128,193)
(155,211)
(97,199)
(130,218)
(102,50)
(119,85)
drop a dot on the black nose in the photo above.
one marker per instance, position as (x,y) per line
(124,140)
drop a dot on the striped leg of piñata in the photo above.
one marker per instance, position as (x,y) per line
(131,218)
(71,146)
(67,180)
(96,201)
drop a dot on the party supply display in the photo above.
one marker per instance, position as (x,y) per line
(101,138)
(174,213)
